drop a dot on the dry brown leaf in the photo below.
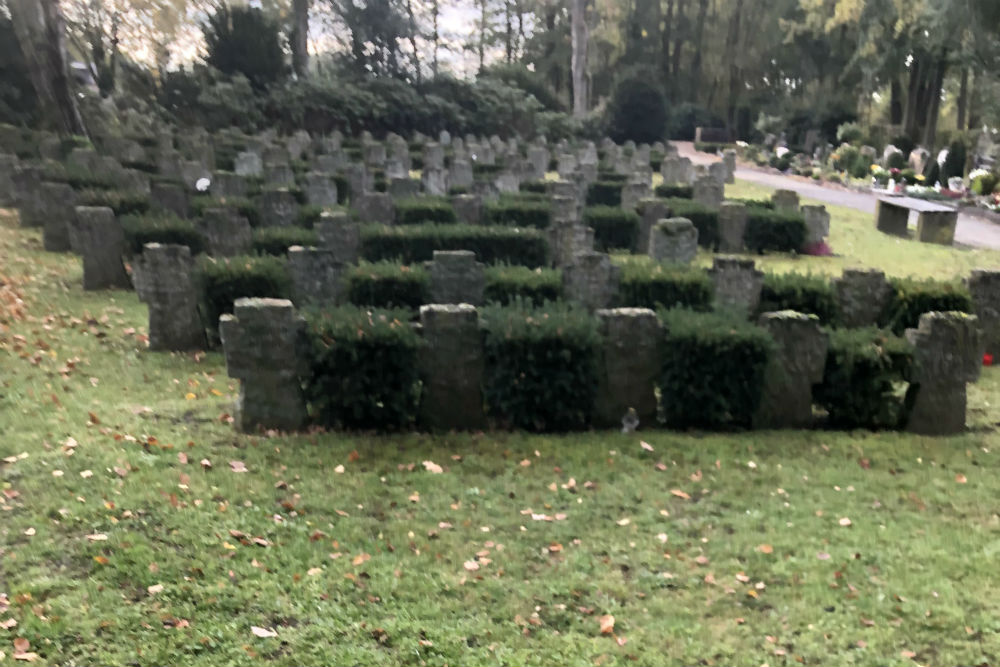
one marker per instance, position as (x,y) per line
(21,645)
(607,624)
(25,656)
(679,494)
(432,467)
(238,466)
(470,565)
(646,446)
(960,478)
(765,549)
(361,558)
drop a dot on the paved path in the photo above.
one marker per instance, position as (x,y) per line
(971,231)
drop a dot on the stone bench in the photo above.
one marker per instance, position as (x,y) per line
(935,222)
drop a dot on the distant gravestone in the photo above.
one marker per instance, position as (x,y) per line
(456,277)
(795,366)
(57,203)
(451,363)
(226,232)
(732,226)
(709,191)
(630,366)
(651,210)
(164,281)
(101,242)
(737,284)
(316,276)
(786,200)
(862,295)
(674,240)
(592,280)
(817,220)
(341,235)
(320,189)
(984,286)
(278,208)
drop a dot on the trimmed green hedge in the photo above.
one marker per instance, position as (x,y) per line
(363,368)
(664,286)
(809,294)
(388,285)
(705,219)
(122,203)
(222,281)
(605,193)
(245,207)
(912,298)
(863,377)
(160,228)
(674,191)
(541,366)
(768,229)
(539,187)
(713,370)
(613,226)
(505,284)
(418,210)
(277,240)
(410,244)
(518,212)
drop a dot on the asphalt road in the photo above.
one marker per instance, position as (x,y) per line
(971,231)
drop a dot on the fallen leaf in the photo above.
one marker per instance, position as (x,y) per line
(339,469)
(620,641)
(97,537)
(238,466)
(908,654)
(414,497)
(86,474)
(361,558)
(844,522)
(21,645)
(30,532)
(679,494)
(262,632)
(822,555)
(470,565)
(27,656)
(101,560)
(960,478)
(645,445)
(555,548)
(154,589)
(182,458)
(313,571)
(624,522)
(765,549)
(8,624)
(206,464)
(432,467)
(607,624)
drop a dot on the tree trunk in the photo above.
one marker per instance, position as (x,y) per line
(699,35)
(300,38)
(413,39)
(41,34)
(482,33)
(912,100)
(963,99)
(934,101)
(520,25)
(435,13)
(578,64)
(509,36)
(665,37)
(735,71)
(895,101)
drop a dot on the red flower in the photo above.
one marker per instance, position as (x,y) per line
(987,359)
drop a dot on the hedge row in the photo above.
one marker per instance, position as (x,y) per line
(519,212)
(659,286)
(614,227)
(419,210)
(221,281)
(409,244)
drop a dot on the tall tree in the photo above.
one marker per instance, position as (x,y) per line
(41,34)
(299,38)
(578,64)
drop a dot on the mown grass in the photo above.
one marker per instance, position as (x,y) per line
(715,549)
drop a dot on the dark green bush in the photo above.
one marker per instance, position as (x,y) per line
(663,286)
(541,366)
(518,212)
(812,295)
(861,386)
(713,370)
(705,219)
(245,207)
(912,298)
(418,210)
(954,163)
(506,283)
(674,191)
(387,285)
(77,177)
(779,231)
(244,40)
(160,228)
(485,172)
(612,177)
(637,109)
(758,203)
(122,203)
(410,244)
(363,368)
(539,187)
(277,240)
(605,193)
(222,281)
(613,226)
(308,215)
(896,161)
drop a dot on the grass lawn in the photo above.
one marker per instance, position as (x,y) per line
(136,527)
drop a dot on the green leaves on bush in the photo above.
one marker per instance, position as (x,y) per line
(812,295)
(605,193)
(912,298)
(388,285)
(861,386)
(638,107)
(541,366)
(614,227)
(222,281)
(506,284)
(121,202)
(664,286)
(418,210)
(713,370)
(410,244)
(519,212)
(160,228)
(705,219)
(277,240)
(780,231)
(674,191)
(363,368)
(245,207)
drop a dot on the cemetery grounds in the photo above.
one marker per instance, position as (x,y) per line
(138,527)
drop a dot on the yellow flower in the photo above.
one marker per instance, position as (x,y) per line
(920,177)
(875,168)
